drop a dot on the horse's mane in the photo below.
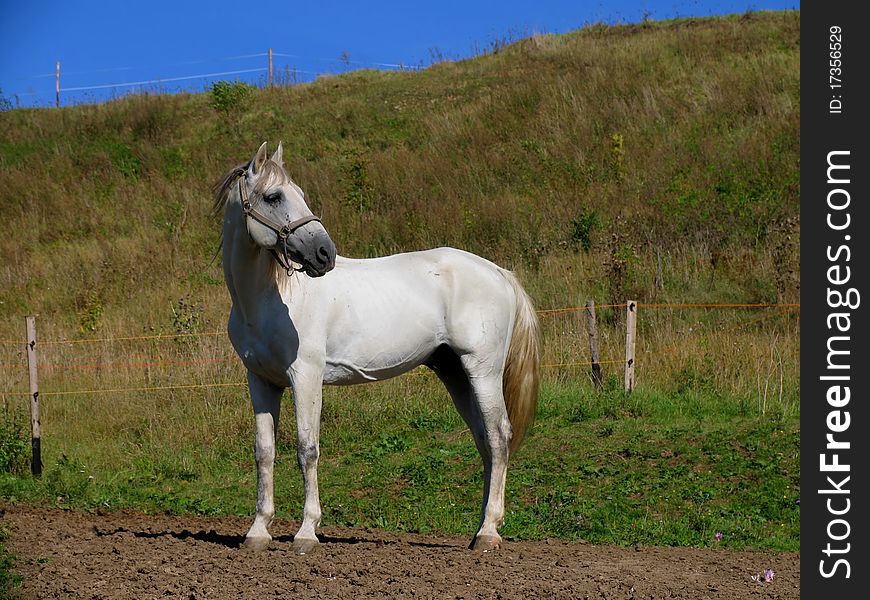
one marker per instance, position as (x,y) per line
(271,171)
(221,189)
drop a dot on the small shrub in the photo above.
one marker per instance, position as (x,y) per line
(617,155)
(581,229)
(230,96)
(124,159)
(187,316)
(14,449)
(174,162)
(354,171)
(91,313)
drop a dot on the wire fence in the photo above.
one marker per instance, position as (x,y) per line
(22,366)
(266,74)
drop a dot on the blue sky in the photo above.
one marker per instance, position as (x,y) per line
(101,43)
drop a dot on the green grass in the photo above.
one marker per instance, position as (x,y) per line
(648,468)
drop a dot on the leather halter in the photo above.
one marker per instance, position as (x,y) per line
(283,231)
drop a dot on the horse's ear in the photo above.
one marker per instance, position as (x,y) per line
(278,157)
(259,159)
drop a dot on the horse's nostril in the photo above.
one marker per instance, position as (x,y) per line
(323,255)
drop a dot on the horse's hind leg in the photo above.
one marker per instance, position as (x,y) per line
(266,400)
(492,431)
(480,401)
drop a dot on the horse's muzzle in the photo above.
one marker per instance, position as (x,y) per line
(318,256)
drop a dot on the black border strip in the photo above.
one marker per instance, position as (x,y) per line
(833,247)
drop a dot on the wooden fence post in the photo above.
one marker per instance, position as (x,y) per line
(270,67)
(592,330)
(35,434)
(57,85)
(630,336)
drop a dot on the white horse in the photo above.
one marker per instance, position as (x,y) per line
(353,321)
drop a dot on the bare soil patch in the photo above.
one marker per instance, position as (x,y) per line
(130,555)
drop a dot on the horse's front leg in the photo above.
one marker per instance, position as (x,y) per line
(308,399)
(266,400)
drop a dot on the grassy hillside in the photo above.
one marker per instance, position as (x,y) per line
(670,138)
(658,162)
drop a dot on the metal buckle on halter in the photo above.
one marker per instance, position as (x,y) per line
(247,206)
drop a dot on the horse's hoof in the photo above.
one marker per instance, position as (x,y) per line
(304,545)
(486,543)
(257,544)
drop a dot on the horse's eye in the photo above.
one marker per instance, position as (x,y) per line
(272,198)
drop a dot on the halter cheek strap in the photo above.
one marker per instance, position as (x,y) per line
(283,231)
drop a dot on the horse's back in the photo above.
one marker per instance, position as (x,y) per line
(439,270)
(389,314)
(416,262)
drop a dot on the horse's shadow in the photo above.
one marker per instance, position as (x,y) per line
(236,541)
(211,536)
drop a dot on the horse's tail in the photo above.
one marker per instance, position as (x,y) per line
(522,372)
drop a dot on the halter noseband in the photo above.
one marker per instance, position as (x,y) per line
(283,231)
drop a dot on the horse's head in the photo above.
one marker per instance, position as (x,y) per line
(279,220)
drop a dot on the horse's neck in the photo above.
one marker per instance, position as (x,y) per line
(248,270)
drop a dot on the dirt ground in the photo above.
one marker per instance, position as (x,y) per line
(129,555)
